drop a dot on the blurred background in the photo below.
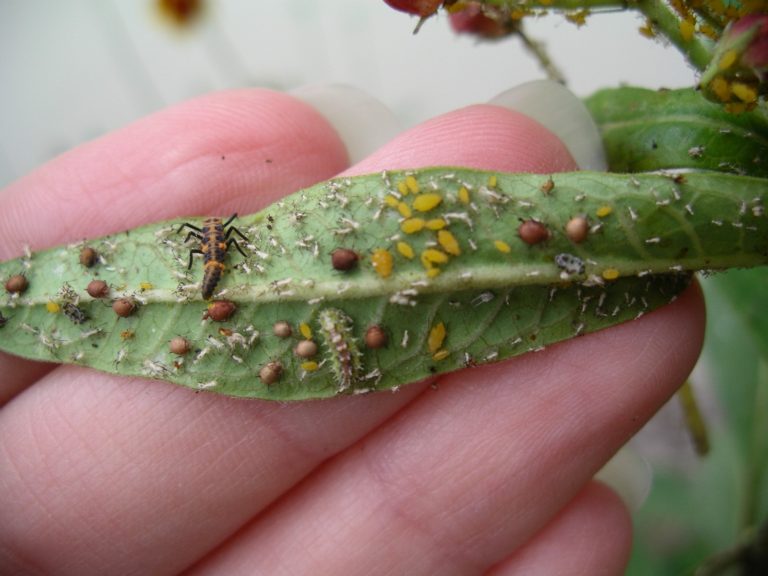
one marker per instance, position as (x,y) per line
(72,70)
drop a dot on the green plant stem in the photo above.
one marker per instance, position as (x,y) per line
(561,4)
(538,52)
(698,51)
(694,420)
(759,450)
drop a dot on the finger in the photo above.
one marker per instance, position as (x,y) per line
(170,437)
(592,535)
(465,475)
(219,154)
(234,151)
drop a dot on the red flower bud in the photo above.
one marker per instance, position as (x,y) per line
(755,28)
(421,8)
(484,22)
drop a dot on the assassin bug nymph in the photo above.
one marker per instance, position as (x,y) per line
(215,239)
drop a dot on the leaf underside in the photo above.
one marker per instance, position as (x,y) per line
(442,271)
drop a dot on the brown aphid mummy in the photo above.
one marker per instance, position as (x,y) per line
(282,329)
(16,284)
(124,307)
(220,310)
(532,232)
(271,372)
(577,229)
(376,337)
(306,349)
(97,289)
(215,240)
(88,257)
(179,345)
(344,259)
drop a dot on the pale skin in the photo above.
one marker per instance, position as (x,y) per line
(487,472)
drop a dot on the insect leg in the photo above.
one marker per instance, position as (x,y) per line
(230,220)
(192,253)
(188,225)
(233,241)
(231,229)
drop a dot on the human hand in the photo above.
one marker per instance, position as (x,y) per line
(486,471)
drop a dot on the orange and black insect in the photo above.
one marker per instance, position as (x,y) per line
(215,239)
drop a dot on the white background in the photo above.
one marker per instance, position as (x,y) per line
(72,70)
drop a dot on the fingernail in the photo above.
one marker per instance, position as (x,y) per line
(559,110)
(629,475)
(361,121)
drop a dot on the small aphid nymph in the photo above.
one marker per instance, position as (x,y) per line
(215,239)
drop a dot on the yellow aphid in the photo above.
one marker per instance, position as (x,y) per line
(436,224)
(708,31)
(391,201)
(728,59)
(412,183)
(448,242)
(441,354)
(686,29)
(53,307)
(492,181)
(412,225)
(309,366)
(382,262)
(744,92)
(463,195)
(647,29)
(721,88)
(502,246)
(402,187)
(434,256)
(305,330)
(736,107)
(146,286)
(427,202)
(610,274)
(404,209)
(603,211)
(432,272)
(436,338)
(405,249)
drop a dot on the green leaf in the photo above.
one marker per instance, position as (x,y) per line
(678,129)
(472,292)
